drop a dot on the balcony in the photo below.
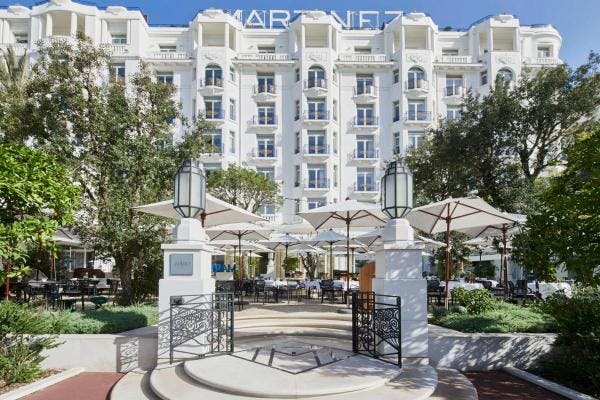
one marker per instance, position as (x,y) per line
(272,57)
(212,154)
(369,122)
(370,156)
(454,60)
(267,122)
(316,184)
(315,87)
(418,116)
(316,117)
(366,187)
(266,155)
(211,86)
(362,58)
(118,49)
(365,93)
(316,151)
(543,61)
(168,55)
(214,115)
(265,92)
(416,88)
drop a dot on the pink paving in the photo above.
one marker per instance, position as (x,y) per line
(85,386)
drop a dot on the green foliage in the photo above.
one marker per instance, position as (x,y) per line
(576,360)
(476,301)
(571,211)
(243,187)
(108,319)
(13,79)
(504,318)
(484,269)
(459,255)
(290,264)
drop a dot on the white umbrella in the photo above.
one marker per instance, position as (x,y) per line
(239,231)
(375,236)
(284,241)
(217,212)
(343,215)
(458,214)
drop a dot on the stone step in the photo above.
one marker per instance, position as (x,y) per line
(330,316)
(452,385)
(253,332)
(298,322)
(134,385)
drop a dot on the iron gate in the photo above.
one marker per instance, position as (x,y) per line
(376,329)
(201,324)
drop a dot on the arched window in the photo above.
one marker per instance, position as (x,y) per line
(213,75)
(506,75)
(416,78)
(316,77)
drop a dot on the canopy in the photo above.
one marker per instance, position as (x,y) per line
(374,237)
(217,212)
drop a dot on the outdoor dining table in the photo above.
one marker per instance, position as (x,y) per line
(458,284)
(546,289)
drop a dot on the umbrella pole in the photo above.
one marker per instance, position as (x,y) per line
(504,263)
(447,261)
(347,254)
(331,258)
(240,257)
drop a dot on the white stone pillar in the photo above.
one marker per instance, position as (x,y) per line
(104,32)
(398,272)
(491,40)
(271,266)
(186,278)
(48,24)
(226,36)
(73,24)
(199,36)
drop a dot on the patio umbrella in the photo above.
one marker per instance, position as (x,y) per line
(343,215)
(327,237)
(503,230)
(217,212)
(284,241)
(239,231)
(375,236)
(455,214)
(354,245)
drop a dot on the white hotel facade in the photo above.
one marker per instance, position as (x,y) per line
(314,105)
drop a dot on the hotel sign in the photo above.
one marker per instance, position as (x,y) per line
(273,19)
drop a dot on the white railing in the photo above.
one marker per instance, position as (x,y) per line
(544,61)
(351,57)
(117,49)
(264,57)
(455,59)
(168,55)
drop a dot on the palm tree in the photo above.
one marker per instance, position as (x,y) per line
(13,71)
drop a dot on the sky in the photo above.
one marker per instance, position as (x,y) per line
(577,20)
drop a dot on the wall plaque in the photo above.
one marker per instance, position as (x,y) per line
(181,264)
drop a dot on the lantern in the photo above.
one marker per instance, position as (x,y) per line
(397,190)
(190,190)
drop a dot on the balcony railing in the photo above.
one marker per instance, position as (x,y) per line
(454,91)
(365,121)
(264,120)
(322,149)
(264,57)
(455,59)
(366,187)
(417,116)
(118,49)
(216,114)
(370,154)
(212,82)
(315,84)
(416,84)
(212,150)
(353,57)
(269,88)
(543,61)
(168,55)
(316,115)
(365,90)
(316,184)
(264,152)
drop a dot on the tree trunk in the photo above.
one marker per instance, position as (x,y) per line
(124,266)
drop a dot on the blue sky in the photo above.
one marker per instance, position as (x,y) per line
(577,20)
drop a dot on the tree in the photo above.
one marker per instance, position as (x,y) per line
(566,228)
(243,187)
(311,262)
(117,142)
(36,197)
(13,79)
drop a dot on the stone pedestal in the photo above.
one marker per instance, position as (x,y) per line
(186,276)
(398,273)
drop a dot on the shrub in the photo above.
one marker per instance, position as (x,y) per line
(475,301)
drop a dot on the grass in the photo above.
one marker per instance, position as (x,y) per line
(504,318)
(111,319)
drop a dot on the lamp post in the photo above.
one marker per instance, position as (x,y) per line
(189,200)
(397,190)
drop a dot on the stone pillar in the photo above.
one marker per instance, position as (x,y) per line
(186,278)
(48,24)
(271,266)
(398,272)
(73,24)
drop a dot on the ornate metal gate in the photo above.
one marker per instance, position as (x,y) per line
(376,329)
(201,324)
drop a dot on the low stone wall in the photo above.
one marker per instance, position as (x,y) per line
(485,351)
(123,352)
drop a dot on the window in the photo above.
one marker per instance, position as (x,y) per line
(232,143)
(296,205)
(365,147)
(416,78)
(266,209)
(193,74)
(335,145)
(297,110)
(483,77)
(316,77)
(454,85)
(268,173)
(315,203)
(266,49)
(397,143)
(296,176)
(396,75)
(316,109)
(266,146)
(167,48)
(452,113)
(231,74)
(232,110)
(362,50)
(117,73)
(164,77)
(335,75)
(505,75)
(335,114)
(266,114)
(414,139)
(212,105)
(396,110)
(544,51)
(266,83)
(449,52)
(214,142)
(297,143)
(119,38)
(364,84)
(297,72)
(416,110)
(21,38)
(317,177)
(365,114)
(316,143)
(213,76)
(365,180)
(335,176)
(194,109)
(209,167)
